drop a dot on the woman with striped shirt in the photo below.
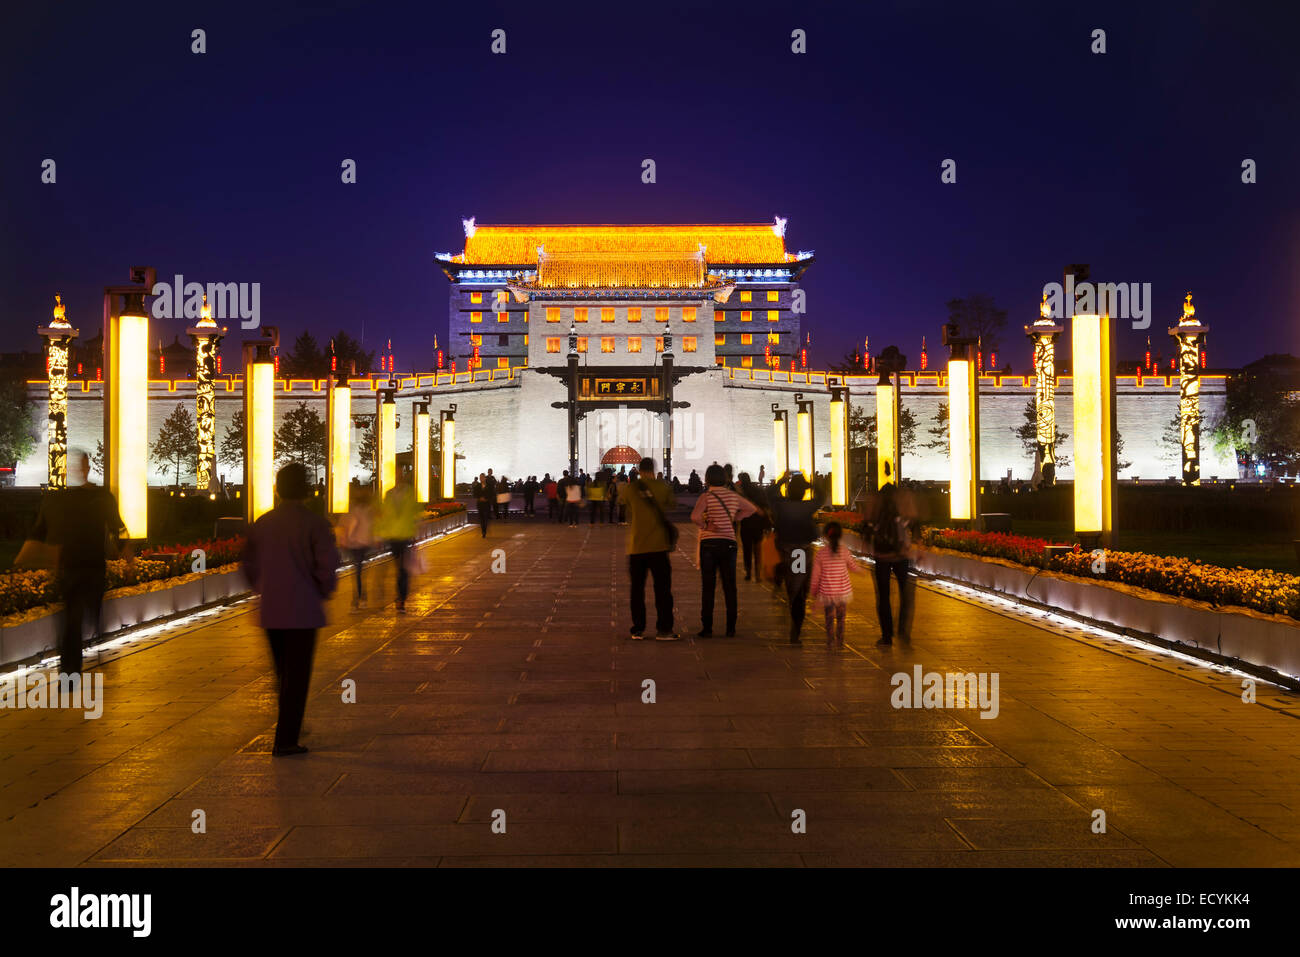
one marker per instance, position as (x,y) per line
(831,582)
(717,511)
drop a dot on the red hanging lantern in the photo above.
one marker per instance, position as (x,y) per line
(218,365)
(1202,358)
(439,358)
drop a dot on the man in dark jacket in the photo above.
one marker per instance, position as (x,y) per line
(792,518)
(290,560)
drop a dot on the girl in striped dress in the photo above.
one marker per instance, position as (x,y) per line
(831,583)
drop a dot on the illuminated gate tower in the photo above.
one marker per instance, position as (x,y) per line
(207,337)
(1043,333)
(1190,334)
(58,335)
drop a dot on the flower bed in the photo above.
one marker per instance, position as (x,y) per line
(180,558)
(1270,592)
(438,509)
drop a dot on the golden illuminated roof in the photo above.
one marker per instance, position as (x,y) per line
(725,243)
(652,269)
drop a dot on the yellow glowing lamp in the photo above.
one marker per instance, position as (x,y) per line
(963,426)
(127,385)
(839,446)
(340,445)
(259,424)
(420,452)
(448,450)
(781,441)
(387,444)
(1094,452)
(886,432)
(804,426)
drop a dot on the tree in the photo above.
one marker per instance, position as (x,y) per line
(368,448)
(177,445)
(976,315)
(866,426)
(305,360)
(97,460)
(1260,421)
(301,438)
(17,437)
(232,442)
(1028,435)
(352,359)
(939,430)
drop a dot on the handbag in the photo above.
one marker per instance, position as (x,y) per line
(769,557)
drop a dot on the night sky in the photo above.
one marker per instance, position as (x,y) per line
(226,166)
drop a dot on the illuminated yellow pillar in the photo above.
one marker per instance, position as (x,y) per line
(781,440)
(887,438)
(1189,334)
(338,414)
(1043,333)
(58,336)
(839,416)
(1094,429)
(963,439)
(447,449)
(206,337)
(420,451)
(259,429)
(126,400)
(386,442)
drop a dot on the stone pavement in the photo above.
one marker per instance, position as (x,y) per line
(519,692)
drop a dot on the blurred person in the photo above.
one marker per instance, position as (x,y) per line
(891,516)
(530,492)
(831,583)
(650,541)
(717,512)
(399,516)
(596,498)
(752,526)
(552,491)
(358,538)
(81,526)
(572,501)
(483,501)
(792,519)
(290,559)
(503,498)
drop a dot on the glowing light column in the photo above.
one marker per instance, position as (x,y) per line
(781,439)
(1189,334)
(207,337)
(420,450)
(807,448)
(447,452)
(126,399)
(259,425)
(58,336)
(888,414)
(839,417)
(386,441)
(1043,333)
(1094,429)
(963,427)
(338,416)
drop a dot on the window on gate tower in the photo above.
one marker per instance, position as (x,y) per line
(552,343)
(633,343)
(688,343)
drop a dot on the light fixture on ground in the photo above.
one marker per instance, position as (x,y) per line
(781,440)
(58,341)
(963,426)
(806,445)
(386,439)
(126,398)
(889,452)
(338,420)
(839,418)
(1094,429)
(1189,334)
(420,449)
(259,424)
(206,336)
(447,452)
(1043,333)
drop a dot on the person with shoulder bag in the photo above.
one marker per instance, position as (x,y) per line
(650,541)
(717,511)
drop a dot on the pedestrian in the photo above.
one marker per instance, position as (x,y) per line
(399,515)
(831,583)
(762,470)
(491,486)
(530,491)
(483,501)
(503,498)
(752,527)
(572,501)
(889,521)
(290,560)
(693,484)
(358,537)
(80,526)
(596,497)
(792,518)
(552,490)
(650,541)
(717,512)
(611,493)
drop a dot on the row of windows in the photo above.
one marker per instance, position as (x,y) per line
(608,343)
(747,339)
(476,339)
(583,313)
(502,296)
(747,295)
(746,315)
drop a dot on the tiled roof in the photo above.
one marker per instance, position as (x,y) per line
(652,269)
(725,243)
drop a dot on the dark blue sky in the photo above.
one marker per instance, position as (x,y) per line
(225,166)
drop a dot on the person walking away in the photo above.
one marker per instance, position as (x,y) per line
(650,540)
(358,537)
(831,583)
(399,515)
(82,523)
(889,519)
(611,495)
(752,527)
(717,512)
(530,492)
(492,493)
(290,560)
(552,490)
(572,501)
(483,501)
(792,518)
(503,498)
(596,498)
